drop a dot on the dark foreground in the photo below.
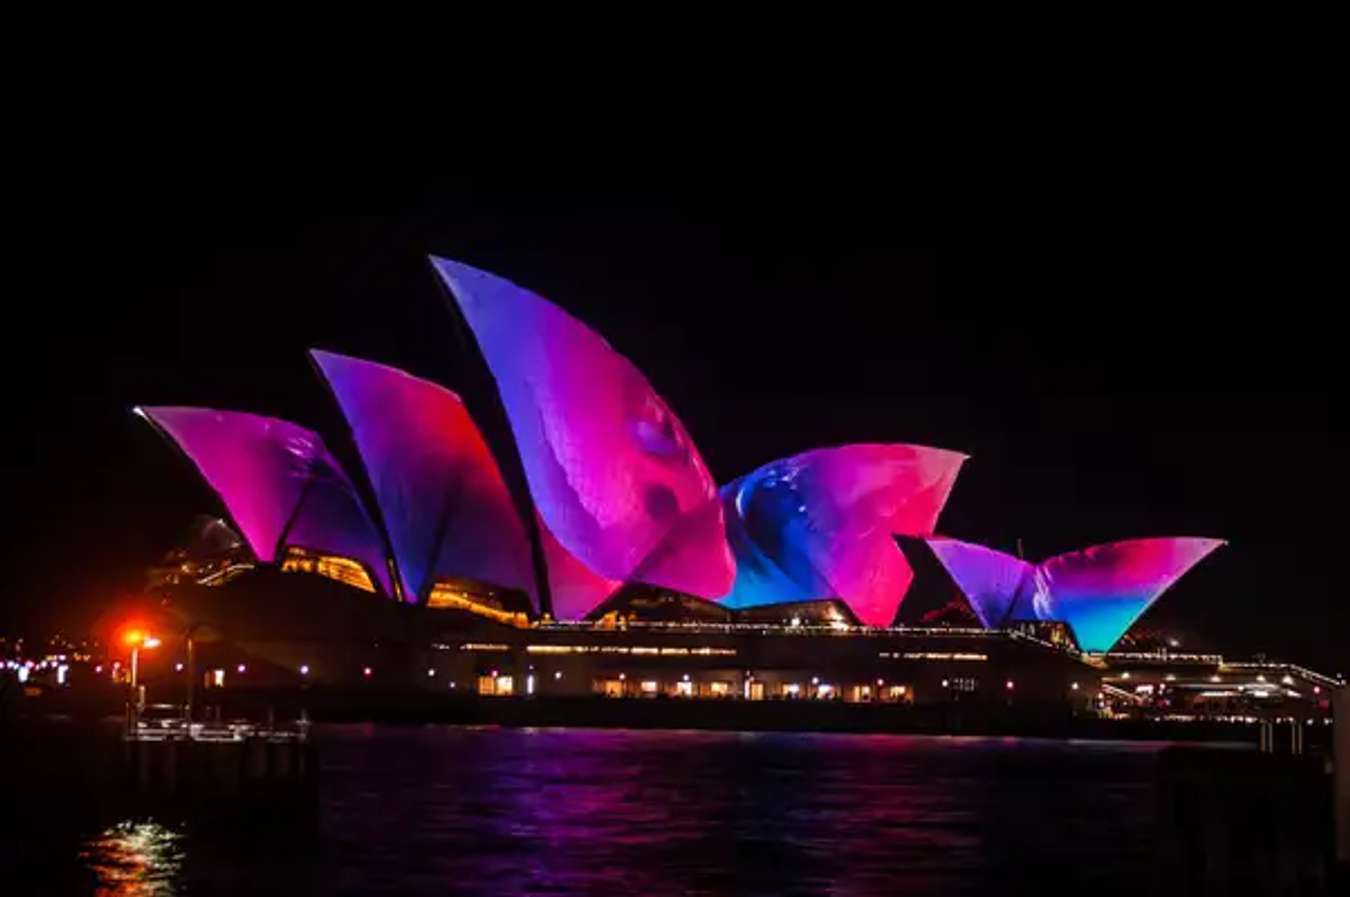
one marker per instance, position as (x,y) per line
(495,811)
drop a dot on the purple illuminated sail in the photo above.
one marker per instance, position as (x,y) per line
(990,580)
(443,499)
(611,470)
(1099,591)
(279,483)
(821,525)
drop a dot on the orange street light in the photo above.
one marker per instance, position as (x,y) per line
(138,639)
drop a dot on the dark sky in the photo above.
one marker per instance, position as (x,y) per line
(1108,383)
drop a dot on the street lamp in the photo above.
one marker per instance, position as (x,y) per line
(138,640)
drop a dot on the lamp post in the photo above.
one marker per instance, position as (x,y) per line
(138,640)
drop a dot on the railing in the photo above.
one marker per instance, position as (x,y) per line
(774,628)
(1304,672)
(178,728)
(1162,655)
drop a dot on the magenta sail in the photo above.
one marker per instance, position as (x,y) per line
(821,525)
(278,482)
(612,471)
(1099,591)
(442,497)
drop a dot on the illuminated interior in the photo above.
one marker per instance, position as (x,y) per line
(455,595)
(343,570)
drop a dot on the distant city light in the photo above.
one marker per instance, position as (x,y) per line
(881,682)
(366,672)
(558,675)
(1074,686)
(1009,685)
(304,669)
(622,676)
(151,642)
(431,672)
(944,683)
(242,668)
(178,668)
(686,677)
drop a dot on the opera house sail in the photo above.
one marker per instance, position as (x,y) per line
(820,525)
(439,491)
(279,483)
(614,476)
(1099,591)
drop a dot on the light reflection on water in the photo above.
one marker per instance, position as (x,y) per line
(436,810)
(135,859)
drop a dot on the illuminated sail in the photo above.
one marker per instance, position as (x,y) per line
(821,525)
(610,468)
(442,497)
(278,482)
(1099,591)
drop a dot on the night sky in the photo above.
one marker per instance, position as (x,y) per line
(1105,385)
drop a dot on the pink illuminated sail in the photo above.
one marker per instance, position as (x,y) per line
(279,483)
(821,525)
(611,470)
(1099,591)
(444,503)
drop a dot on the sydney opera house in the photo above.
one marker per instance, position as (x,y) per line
(587,549)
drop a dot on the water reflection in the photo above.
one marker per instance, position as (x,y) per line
(135,859)
(437,810)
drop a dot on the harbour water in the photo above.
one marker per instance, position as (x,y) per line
(495,811)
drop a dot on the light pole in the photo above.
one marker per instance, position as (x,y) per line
(138,640)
